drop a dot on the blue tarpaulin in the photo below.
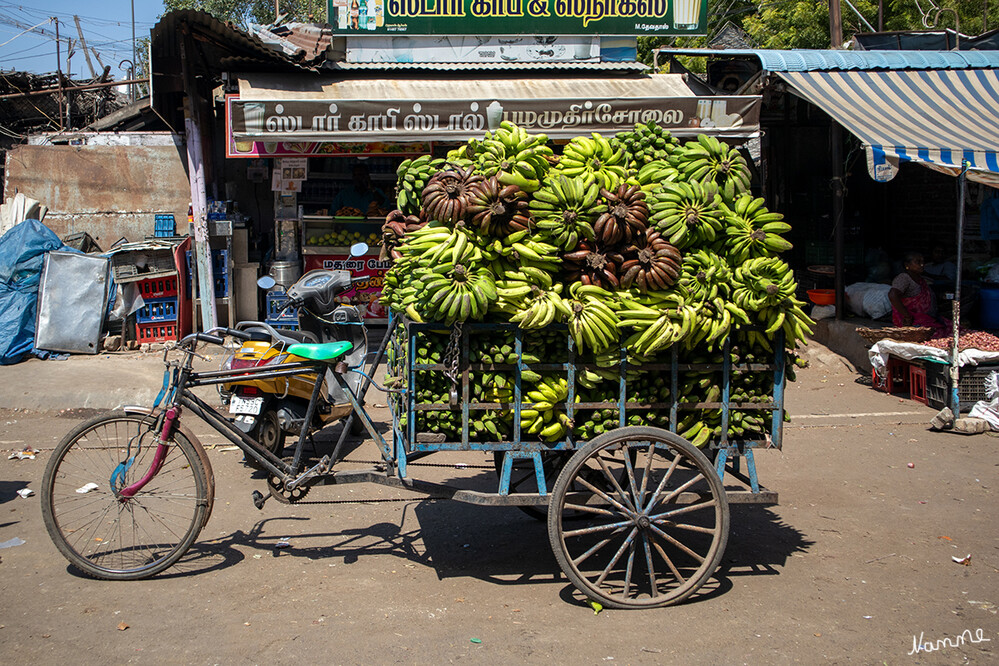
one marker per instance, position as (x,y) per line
(22,253)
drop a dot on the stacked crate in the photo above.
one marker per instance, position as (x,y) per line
(164,225)
(276,299)
(220,273)
(156,321)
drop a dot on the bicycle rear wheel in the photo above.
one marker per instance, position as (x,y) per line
(108,537)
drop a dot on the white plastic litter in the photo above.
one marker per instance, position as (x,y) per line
(25,492)
(87,488)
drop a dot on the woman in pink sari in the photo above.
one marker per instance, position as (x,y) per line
(912,300)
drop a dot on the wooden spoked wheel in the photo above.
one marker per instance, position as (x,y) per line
(657,518)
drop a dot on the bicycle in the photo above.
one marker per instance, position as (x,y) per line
(126,494)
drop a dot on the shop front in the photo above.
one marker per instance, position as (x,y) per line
(334,145)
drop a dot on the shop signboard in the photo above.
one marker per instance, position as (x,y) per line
(366,293)
(257,149)
(519,17)
(452,119)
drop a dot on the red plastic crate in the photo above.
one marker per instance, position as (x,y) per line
(161,287)
(156,332)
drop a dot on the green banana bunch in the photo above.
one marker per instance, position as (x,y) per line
(753,231)
(584,156)
(540,308)
(647,142)
(687,214)
(412,175)
(705,276)
(766,286)
(543,417)
(454,295)
(564,209)
(653,173)
(512,155)
(592,322)
(657,320)
(709,160)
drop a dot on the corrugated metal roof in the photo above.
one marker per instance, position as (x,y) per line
(804,60)
(630,66)
(303,87)
(306,41)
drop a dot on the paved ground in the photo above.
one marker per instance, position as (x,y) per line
(853,565)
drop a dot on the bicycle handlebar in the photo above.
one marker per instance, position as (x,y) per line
(214,339)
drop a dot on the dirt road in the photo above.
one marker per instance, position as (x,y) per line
(853,566)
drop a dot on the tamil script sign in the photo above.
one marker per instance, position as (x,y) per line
(519,17)
(435,119)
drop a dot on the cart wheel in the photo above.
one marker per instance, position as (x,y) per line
(658,518)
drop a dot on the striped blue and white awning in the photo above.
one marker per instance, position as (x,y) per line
(935,117)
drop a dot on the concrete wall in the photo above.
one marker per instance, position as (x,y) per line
(108,191)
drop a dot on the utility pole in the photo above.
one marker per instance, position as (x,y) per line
(135,66)
(83,44)
(835,24)
(881,15)
(58,69)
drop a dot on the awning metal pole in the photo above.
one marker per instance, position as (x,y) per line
(839,234)
(962,182)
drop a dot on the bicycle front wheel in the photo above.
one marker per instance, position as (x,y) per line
(104,535)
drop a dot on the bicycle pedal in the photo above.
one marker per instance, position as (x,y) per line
(258,499)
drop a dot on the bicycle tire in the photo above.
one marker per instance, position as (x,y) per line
(105,537)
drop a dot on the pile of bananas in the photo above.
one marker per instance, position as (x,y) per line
(646,143)
(544,417)
(510,154)
(565,209)
(412,175)
(446,196)
(636,245)
(766,286)
(594,156)
(592,321)
(688,214)
(752,230)
(708,160)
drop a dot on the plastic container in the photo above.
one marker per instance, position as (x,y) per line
(822,296)
(970,384)
(162,287)
(157,309)
(990,307)
(156,332)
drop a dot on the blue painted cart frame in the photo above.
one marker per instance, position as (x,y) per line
(729,455)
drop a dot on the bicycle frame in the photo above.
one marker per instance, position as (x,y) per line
(185,378)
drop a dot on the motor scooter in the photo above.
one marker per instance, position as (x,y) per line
(268,409)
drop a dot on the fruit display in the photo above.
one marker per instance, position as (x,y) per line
(343,238)
(627,249)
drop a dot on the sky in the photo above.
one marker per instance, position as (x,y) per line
(106,24)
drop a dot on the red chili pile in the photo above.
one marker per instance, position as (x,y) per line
(970,340)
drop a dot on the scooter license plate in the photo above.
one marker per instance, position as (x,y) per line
(238,405)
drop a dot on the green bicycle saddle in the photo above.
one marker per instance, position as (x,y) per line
(329,351)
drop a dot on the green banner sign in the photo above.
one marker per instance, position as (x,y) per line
(519,17)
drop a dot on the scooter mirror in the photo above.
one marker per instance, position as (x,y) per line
(358,249)
(266,282)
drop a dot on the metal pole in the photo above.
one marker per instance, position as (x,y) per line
(58,70)
(955,400)
(131,88)
(881,15)
(839,193)
(835,24)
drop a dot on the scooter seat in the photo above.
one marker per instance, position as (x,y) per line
(329,351)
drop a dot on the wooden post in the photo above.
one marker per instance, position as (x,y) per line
(839,193)
(58,70)
(83,44)
(199,204)
(835,24)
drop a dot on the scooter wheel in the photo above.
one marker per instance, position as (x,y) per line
(268,432)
